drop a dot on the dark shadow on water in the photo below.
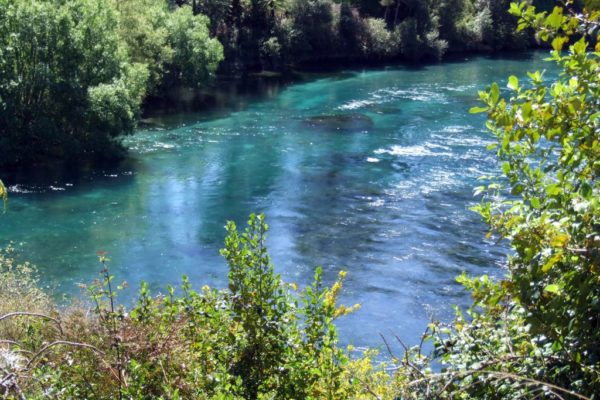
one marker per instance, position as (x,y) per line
(227,94)
(67,176)
(462,57)
(514,56)
(219,98)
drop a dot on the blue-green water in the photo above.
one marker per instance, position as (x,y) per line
(386,199)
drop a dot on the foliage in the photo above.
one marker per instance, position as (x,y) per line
(195,55)
(340,31)
(20,291)
(315,33)
(476,29)
(259,305)
(260,339)
(51,55)
(3,194)
(532,334)
(114,107)
(175,44)
(142,28)
(380,42)
(271,54)
(548,140)
(74,73)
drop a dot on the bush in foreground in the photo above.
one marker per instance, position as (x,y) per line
(262,338)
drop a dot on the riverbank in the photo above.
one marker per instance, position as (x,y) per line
(228,92)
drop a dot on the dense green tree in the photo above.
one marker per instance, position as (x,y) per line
(196,56)
(74,73)
(380,42)
(216,11)
(60,64)
(503,32)
(142,27)
(313,20)
(351,31)
(175,44)
(451,12)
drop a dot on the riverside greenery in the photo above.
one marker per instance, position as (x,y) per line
(74,73)
(533,334)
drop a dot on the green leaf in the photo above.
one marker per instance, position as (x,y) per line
(580,47)
(586,191)
(517,189)
(555,19)
(536,76)
(560,240)
(553,288)
(513,83)
(553,190)
(558,43)
(515,9)
(3,194)
(551,262)
(494,93)
(478,110)
(526,110)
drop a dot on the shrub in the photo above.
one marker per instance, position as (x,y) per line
(74,73)
(540,323)
(19,291)
(436,47)
(411,43)
(196,56)
(380,42)
(52,55)
(142,28)
(271,54)
(474,29)
(259,339)
(114,107)
(315,31)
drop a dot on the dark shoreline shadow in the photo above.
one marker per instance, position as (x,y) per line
(69,175)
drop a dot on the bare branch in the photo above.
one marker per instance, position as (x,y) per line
(499,375)
(63,343)
(30,314)
(389,349)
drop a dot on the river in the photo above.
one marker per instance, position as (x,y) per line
(383,192)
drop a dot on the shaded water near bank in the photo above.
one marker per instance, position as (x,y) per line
(368,171)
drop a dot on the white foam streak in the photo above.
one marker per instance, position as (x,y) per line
(413,151)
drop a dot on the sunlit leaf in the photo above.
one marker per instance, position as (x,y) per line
(513,82)
(553,288)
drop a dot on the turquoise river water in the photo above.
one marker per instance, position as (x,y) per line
(369,171)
